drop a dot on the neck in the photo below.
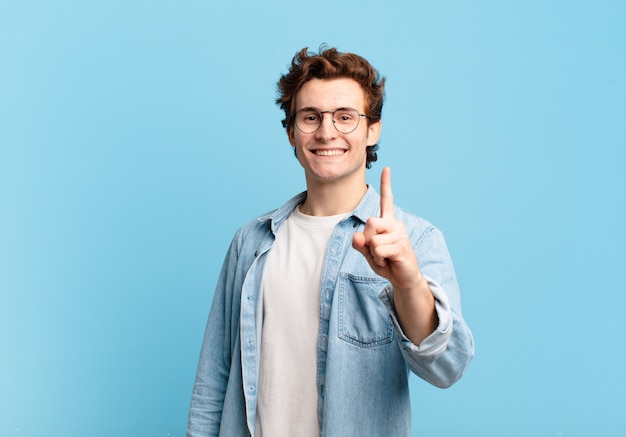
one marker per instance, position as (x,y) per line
(332,198)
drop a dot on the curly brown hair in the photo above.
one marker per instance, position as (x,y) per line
(329,63)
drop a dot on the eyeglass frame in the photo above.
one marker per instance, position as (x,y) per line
(292,118)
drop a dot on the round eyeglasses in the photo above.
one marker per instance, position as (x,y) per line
(345,120)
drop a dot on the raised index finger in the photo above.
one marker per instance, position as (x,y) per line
(386,196)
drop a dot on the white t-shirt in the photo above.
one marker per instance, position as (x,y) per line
(287,396)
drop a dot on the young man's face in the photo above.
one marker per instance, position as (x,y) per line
(327,155)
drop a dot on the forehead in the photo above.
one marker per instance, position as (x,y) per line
(327,94)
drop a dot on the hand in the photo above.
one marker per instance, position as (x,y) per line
(385,244)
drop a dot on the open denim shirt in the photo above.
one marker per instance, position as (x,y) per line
(363,357)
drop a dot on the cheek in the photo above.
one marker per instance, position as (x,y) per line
(298,139)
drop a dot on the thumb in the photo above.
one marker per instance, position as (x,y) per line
(358,242)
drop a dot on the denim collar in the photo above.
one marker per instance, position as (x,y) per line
(369,206)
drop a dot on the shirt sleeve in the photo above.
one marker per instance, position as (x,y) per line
(435,344)
(209,390)
(443,357)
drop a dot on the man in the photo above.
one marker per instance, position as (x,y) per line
(323,305)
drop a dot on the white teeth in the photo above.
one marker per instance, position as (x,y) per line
(329,152)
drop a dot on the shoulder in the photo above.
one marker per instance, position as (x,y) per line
(256,228)
(271,220)
(419,229)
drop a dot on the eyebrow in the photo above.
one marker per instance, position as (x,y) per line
(312,108)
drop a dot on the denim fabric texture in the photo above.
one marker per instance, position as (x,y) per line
(363,357)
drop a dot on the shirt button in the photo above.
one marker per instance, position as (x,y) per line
(327,293)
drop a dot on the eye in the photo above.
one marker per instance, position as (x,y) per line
(345,116)
(309,117)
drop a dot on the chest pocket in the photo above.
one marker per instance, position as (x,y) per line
(363,319)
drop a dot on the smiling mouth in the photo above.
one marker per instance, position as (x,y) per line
(333,152)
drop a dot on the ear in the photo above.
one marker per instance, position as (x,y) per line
(373,132)
(292,139)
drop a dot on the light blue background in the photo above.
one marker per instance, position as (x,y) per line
(136,136)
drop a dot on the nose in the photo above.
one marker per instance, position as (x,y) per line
(327,129)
